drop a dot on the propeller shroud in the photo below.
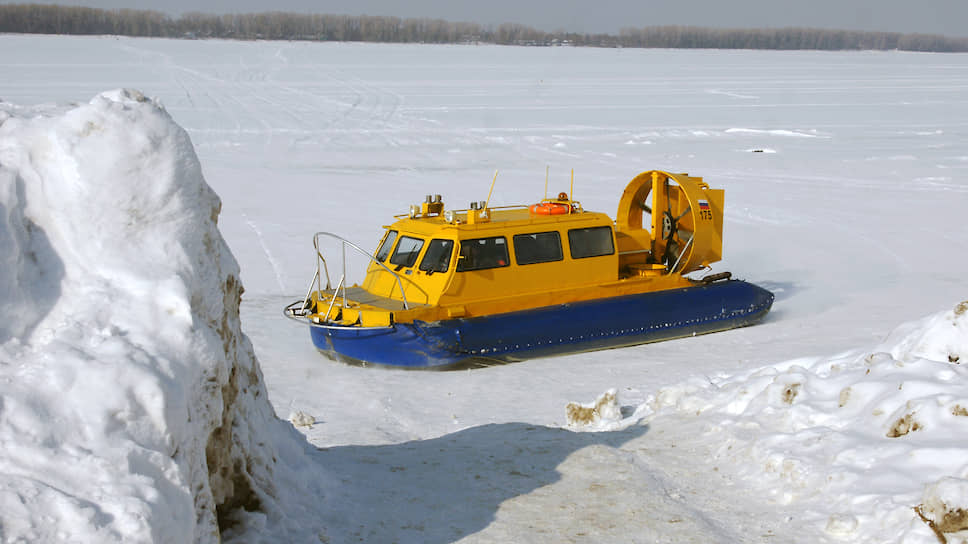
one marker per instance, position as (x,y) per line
(684,226)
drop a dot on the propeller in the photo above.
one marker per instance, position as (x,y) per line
(671,231)
(682,233)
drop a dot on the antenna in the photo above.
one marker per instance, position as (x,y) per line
(488,201)
(547,168)
(571,193)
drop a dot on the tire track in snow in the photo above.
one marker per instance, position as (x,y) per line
(271,95)
(164,60)
(276,269)
(267,101)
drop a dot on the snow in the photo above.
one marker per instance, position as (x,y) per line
(604,414)
(856,436)
(133,408)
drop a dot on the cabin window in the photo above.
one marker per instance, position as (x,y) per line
(407,251)
(386,246)
(541,247)
(437,258)
(590,242)
(483,253)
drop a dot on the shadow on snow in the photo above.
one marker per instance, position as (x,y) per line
(440,490)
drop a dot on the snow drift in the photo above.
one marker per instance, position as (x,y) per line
(132,407)
(871,444)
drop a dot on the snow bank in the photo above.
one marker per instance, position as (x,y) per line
(871,445)
(132,408)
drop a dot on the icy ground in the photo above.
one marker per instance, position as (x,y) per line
(846,181)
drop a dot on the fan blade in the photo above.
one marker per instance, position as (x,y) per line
(683,214)
(684,235)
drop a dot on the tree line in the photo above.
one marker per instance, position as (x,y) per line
(54,19)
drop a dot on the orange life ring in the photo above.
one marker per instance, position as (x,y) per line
(549,208)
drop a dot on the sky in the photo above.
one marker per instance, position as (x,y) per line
(930,16)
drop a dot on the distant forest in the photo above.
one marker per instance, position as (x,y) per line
(53,19)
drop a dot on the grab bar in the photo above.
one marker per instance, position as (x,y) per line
(344,242)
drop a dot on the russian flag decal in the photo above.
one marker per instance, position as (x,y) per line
(703,204)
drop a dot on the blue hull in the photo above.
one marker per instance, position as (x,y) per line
(551,330)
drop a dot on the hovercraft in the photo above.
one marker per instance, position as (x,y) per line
(482,285)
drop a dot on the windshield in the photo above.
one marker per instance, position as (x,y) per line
(407,251)
(384,251)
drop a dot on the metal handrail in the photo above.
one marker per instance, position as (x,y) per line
(345,242)
(465,210)
(681,254)
(319,257)
(333,300)
(309,291)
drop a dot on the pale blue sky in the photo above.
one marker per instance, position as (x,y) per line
(948,17)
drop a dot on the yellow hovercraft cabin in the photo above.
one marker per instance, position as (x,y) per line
(451,287)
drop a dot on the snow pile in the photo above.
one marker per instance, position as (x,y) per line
(301,419)
(132,408)
(943,508)
(602,415)
(873,442)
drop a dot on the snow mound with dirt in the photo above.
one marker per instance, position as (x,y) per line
(871,441)
(602,415)
(132,408)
